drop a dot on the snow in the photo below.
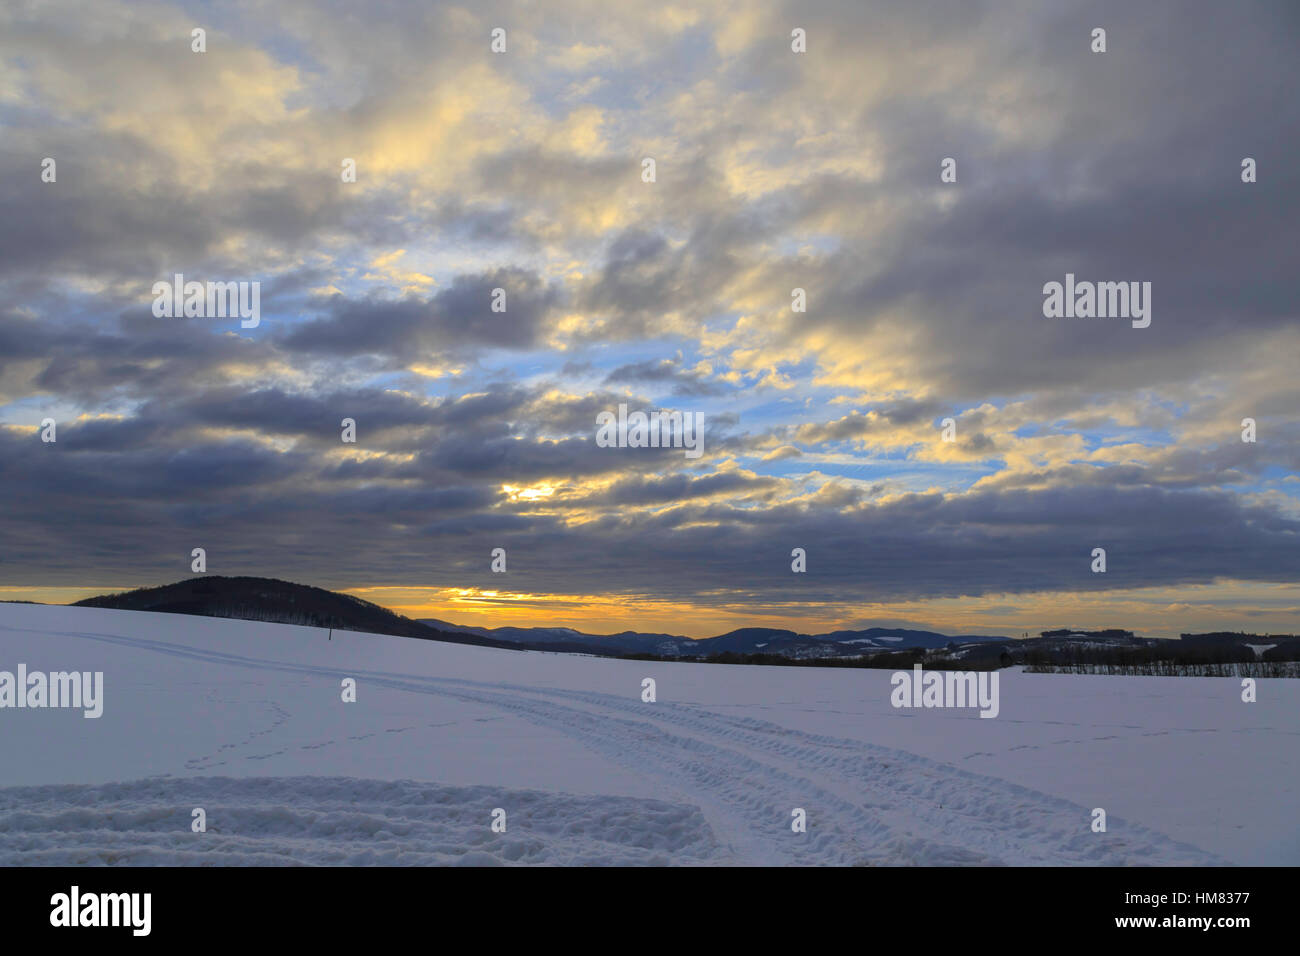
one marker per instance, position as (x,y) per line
(338,821)
(246,720)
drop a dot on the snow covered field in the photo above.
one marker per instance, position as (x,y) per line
(246,721)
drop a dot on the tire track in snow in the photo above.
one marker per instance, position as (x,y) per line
(937,812)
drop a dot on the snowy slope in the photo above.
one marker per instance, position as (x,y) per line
(245,720)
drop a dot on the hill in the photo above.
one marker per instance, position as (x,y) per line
(279,602)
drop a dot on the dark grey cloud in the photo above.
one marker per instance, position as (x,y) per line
(456,319)
(256,510)
(687,383)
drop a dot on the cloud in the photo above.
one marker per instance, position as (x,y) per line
(775,171)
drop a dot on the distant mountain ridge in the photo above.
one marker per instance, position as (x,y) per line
(267,599)
(284,602)
(745,640)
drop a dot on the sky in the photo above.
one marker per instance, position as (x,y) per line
(774,170)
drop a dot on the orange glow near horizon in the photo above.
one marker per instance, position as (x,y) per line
(1155,612)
